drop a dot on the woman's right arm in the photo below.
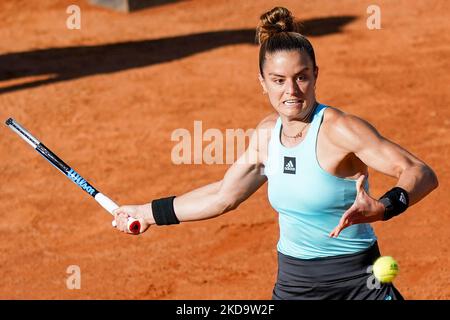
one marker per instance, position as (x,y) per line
(241,180)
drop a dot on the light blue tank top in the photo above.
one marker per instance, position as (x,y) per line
(310,201)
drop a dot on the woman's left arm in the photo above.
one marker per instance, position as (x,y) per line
(377,152)
(356,135)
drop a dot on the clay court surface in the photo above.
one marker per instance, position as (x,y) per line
(106,99)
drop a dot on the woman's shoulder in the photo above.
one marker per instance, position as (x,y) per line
(344,128)
(332,114)
(335,118)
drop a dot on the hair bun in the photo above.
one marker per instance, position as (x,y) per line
(274,21)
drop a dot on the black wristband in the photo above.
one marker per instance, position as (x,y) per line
(395,201)
(163,211)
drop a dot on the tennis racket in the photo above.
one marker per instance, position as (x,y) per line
(134,226)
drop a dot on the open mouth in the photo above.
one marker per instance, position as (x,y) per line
(293,102)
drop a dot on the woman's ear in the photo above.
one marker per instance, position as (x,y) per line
(261,81)
(316,75)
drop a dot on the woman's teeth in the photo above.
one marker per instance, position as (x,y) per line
(292,102)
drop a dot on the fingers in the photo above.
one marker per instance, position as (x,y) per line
(121,218)
(124,216)
(116,213)
(359,184)
(347,219)
(354,213)
(351,217)
(337,230)
(128,210)
(121,221)
(341,226)
(334,233)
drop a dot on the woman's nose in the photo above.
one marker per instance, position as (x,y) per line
(292,87)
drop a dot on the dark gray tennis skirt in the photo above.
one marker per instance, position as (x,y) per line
(343,277)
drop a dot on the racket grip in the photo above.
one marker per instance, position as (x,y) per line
(133,225)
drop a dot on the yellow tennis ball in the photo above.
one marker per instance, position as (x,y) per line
(385,269)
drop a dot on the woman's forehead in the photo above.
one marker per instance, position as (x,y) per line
(287,60)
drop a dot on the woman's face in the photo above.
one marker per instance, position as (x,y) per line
(289,79)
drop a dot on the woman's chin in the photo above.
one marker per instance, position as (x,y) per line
(291,111)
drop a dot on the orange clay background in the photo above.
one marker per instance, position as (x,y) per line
(106,99)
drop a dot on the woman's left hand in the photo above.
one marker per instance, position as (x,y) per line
(365,209)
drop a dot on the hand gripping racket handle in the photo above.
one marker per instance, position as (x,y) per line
(133,225)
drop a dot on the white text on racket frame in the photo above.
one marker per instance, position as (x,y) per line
(75,177)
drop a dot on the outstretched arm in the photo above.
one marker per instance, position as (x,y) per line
(241,180)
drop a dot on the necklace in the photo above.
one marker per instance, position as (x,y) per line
(298,135)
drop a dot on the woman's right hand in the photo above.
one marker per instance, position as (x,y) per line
(138,212)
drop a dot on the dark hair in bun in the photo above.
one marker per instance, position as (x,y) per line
(279,31)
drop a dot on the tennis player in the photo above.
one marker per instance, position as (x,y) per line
(315,159)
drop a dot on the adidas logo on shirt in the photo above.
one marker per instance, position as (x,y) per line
(289,165)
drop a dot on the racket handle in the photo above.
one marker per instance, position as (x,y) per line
(133,225)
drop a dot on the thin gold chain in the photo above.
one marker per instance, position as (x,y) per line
(298,135)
